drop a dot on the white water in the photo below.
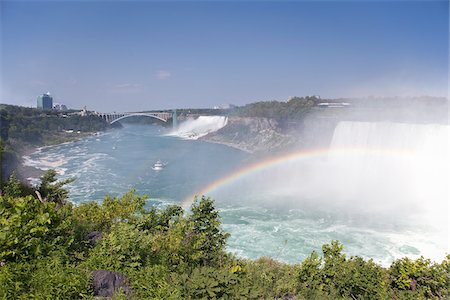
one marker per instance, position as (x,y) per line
(397,166)
(382,204)
(383,190)
(399,174)
(410,177)
(196,128)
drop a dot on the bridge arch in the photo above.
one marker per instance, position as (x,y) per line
(138,115)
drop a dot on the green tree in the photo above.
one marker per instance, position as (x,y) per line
(209,238)
(421,276)
(53,190)
(15,188)
(30,229)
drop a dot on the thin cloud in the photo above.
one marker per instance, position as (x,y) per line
(163,75)
(127,85)
(126,88)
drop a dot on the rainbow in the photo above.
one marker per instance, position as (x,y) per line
(283,159)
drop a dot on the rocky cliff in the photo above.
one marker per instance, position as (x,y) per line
(251,135)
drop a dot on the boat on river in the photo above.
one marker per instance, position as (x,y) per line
(158,166)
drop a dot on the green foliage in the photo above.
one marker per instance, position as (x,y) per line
(92,216)
(213,283)
(421,276)
(156,220)
(29,228)
(169,254)
(338,277)
(154,282)
(269,278)
(310,274)
(53,190)
(294,109)
(208,238)
(124,247)
(15,188)
(45,278)
(33,126)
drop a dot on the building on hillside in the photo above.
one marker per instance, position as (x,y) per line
(59,107)
(225,106)
(45,102)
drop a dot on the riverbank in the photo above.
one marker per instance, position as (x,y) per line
(28,173)
(26,129)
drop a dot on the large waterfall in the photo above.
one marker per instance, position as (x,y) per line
(395,169)
(393,161)
(381,188)
(196,128)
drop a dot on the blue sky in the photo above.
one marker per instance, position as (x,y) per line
(129,56)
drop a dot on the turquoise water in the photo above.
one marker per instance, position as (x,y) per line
(267,214)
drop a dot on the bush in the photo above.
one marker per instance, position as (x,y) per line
(168,254)
(421,277)
(124,247)
(31,229)
(44,278)
(338,277)
(214,283)
(153,282)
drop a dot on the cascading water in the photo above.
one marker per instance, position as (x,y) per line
(397,171)
(381,189)
(196,128)
(396,165)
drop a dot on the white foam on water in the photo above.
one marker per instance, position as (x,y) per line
(388,200)
(196,128)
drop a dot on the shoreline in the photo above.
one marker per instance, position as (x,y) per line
(231,145)
(29,174)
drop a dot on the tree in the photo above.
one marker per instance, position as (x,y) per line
(52,190)
(15,188)
(209,238)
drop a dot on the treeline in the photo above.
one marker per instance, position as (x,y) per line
(33,126)
(22,128)
(294,109)
(52,249)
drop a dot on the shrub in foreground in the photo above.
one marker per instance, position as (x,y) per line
(170,254)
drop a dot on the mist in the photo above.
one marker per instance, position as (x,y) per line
(378,165)
(194,128)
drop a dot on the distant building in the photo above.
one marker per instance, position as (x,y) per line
(225,106)
(59,107)
(45,102)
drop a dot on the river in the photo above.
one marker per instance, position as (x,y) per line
(271,208)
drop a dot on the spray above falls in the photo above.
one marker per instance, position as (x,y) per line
(389,180)
(196,128)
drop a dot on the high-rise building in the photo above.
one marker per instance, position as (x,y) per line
(45,102)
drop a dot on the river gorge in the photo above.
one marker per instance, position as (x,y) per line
(378,187)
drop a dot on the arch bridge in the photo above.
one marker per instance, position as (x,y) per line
(160,115)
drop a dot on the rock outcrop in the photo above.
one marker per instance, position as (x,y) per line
(107,283)
(93,238)
(251,135)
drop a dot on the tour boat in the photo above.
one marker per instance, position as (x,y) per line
(158,166)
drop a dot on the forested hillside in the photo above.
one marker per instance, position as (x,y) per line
(23,128)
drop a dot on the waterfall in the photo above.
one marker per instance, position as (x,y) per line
(196,128)
(399,168)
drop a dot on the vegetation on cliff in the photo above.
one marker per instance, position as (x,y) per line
(294,109)
(49,248)
(36,127)
(23,128)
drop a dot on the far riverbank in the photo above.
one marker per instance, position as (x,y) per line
(21,150)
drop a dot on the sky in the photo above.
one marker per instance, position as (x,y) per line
(148,55)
